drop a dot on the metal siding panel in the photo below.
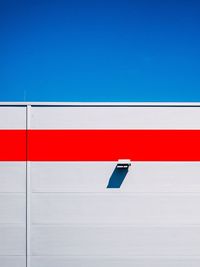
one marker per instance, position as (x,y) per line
(115,240)
(147,217)
(125,240)
(12,188)
(13,208)
(113,262)
(115,118)
(12,177)
(94,177)
(13,118)
(13,240)
(115,208)
(12,261)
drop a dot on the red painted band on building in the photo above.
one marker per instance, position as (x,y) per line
(13,145)
(100,145)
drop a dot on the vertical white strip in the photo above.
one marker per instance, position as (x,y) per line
(28,193)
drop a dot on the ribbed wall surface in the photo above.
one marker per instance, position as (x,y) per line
(61,213)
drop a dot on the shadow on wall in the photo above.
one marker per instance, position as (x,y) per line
(117,177)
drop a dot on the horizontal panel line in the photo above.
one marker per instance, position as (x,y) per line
(117,257)
(120,193)
(13,193)
(127,256)
(117,225)
(13,255)
(111,225)
(117,193)
(21,224)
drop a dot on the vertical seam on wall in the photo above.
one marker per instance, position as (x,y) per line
(28,190)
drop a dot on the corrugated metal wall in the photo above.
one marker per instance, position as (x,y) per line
(74,220)
(12,195)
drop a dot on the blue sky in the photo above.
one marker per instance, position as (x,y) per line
(99,50)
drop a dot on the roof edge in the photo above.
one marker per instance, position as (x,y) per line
(100,104)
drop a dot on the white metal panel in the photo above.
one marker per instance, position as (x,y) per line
(12,240)
(12,196)
(114,262)
(13,177)
(115,118)
(116,208)
(13,261)
(122,240)
(12,118)
(13,208)
(151,215)
(94,177)
(82,184)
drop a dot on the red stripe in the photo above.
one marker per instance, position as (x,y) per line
(12,145)
(100,145)
(111,145)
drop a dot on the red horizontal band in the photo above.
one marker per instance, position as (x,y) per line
(100,145)
(12,145)
(111,145)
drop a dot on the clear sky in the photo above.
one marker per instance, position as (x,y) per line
(113,50)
